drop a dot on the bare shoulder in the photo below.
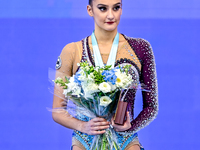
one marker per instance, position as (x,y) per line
(71,47)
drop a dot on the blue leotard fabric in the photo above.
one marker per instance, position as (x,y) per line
(86,140)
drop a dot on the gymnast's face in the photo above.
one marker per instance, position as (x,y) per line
(106,13)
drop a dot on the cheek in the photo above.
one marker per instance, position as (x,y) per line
(100,18)
(118,16)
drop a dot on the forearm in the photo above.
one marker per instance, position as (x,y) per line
(146,116)
(64,119)
(93,127)
(61,116)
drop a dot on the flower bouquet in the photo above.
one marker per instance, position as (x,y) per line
(95,92)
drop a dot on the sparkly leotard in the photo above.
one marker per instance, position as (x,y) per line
(135,52)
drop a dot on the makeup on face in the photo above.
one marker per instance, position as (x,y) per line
(107,14)
(111,22)
(104,8)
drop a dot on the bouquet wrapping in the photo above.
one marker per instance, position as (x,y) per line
(94,92)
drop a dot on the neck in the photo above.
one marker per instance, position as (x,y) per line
(105,37)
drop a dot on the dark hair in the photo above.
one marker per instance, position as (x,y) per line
(90,2)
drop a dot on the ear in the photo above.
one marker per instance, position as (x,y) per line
(89,10)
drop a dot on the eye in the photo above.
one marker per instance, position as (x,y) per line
(102,8)
(116,8)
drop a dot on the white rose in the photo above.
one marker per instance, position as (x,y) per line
(93,87)
(105,101)
(120,78)
(105,87)
(123,80)
(89,89)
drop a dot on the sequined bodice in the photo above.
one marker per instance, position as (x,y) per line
(141,58)
(136,52)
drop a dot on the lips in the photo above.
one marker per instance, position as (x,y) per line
(110,22)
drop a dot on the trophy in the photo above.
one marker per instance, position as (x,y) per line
(120,114)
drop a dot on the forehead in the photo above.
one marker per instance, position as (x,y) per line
(106,2)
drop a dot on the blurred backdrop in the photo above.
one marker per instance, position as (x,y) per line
(32,35)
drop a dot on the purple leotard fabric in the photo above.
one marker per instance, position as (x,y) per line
(147,77)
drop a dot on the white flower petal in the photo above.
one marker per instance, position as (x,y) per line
(105,87)
(105,101)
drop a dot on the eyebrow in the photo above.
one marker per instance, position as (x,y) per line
(107,5)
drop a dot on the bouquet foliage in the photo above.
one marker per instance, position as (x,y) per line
(95,93)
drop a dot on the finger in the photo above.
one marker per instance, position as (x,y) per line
(127,114)
(127,117)
(99,128)
(112,118)
(104,123)
(97,119)
(98,132)
(113,123)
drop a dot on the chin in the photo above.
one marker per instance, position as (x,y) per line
(107,27)
(111,28)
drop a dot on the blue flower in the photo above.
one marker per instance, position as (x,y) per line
(109,76)
(76,78)
(116,68)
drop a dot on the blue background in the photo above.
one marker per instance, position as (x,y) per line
(32,35)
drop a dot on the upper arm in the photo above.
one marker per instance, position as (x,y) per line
(64,68)
(149,77)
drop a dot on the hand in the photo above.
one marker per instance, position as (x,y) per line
(124,127)
(95,126)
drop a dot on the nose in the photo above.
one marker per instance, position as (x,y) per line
(110,15)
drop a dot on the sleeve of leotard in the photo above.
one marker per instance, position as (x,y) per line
(149,79)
